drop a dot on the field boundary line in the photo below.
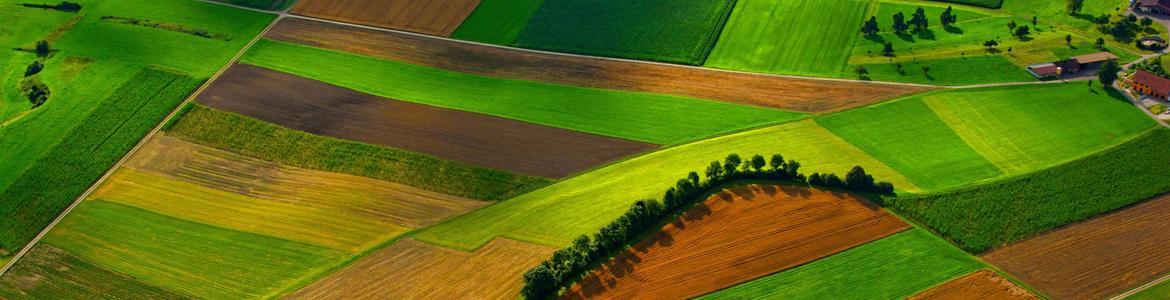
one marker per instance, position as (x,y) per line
(1141,288)
(158,127)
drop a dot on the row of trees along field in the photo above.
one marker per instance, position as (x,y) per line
(566,265)
(918,21)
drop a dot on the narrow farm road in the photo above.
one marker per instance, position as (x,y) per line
(151,134)
(1141,288)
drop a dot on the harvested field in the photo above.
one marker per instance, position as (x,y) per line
(797,94)
(433,17)
(736,236)
(1096,258)
(499,143)
(414,270)
(50,273)
(979,285)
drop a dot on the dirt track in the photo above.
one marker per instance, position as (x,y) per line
(736,236)
(320,108)
(806,95)
(433,17)
(1096,258)
(979,285)
(414,270)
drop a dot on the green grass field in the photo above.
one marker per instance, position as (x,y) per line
(50,273)
(497,21)
(971,69)
(981,217)
(254,138)
(909,137)
(891,268)
(557,214)
(69,168)
(654,118)
(194,259)
(659,30)
(983,3)
(1157,292)
(801,37)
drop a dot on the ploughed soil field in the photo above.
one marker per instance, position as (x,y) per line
(414,270)
(1097,258)
(434,17)
(736,236)
(320,108)
(984,284)
(796,94)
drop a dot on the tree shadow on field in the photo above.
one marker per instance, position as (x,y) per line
(877,38)
(905,36)
(953,29)
(927,34)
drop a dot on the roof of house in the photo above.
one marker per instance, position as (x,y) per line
(1043,70)
(1162,4)
(1158,84)
(1095,57)
(1069,65)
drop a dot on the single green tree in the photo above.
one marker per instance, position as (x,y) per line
(758,162)
(900,25)
(870,27)
(1108,73)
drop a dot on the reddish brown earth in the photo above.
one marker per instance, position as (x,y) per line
(736,236)
(434,17)
(796,94)
(1097,258)
(983,284)
(320,108)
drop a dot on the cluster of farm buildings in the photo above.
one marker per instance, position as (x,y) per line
(1069,66)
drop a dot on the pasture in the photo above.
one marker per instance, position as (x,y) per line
(984,284)
(658,30)
(409,269)
(1123,250)
(435,17)
(799,37)
(794,94)
(557,214)
(257,139)
(906,263)
(737,234)
(315,107)
(652,118)
(989,215)
(497,21)
(50,273)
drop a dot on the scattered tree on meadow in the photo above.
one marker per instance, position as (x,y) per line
(1068,40)
(34,68)
(888,49)
(1011,26)
(900,25)
(871,27)
(1022,31)
(948,17)
(1035,22)
(1074,6)
(861,71)
(926,71)
(919,21)
(1100,43)
(990,44)
(42,48)
(1108,73)
(1146,21)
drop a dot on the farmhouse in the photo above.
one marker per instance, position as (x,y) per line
(1154,6)
(1071,65)
(1150,84)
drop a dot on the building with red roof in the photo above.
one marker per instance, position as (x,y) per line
(1150,84)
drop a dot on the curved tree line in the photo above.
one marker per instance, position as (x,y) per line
(559,271)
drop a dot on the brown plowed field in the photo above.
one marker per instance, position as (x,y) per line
(796,94)
(500,143)
(434,17)
(736,236)
(356,196)
(1096,258)
(984,284)
(414,270)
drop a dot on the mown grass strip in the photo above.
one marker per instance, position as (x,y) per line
(70,167)
(982,217)
(254,138)
(497,21)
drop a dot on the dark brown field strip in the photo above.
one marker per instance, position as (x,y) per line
(795,94)
(320,108)
(1096,258)
(434,17)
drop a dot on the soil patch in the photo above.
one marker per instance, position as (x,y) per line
(736,236)
(414,270)
(434,17)
(320,108)
(979,285)
(795,94)
(1097,258)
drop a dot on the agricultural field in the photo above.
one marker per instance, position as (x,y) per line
(907,263)
(1157,292)
(436,17)
(413,270)
(1097,258)
(657,30)
(51,273)
(651,118)
(984,284)
(557,214)
(736,235)
(759,32)
(497,21)
(794,94)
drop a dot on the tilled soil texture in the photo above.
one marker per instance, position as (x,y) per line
(736,236)
(320,108)
(979,285)
(1096,258)
(433,17)
(795,94)
(414,270)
